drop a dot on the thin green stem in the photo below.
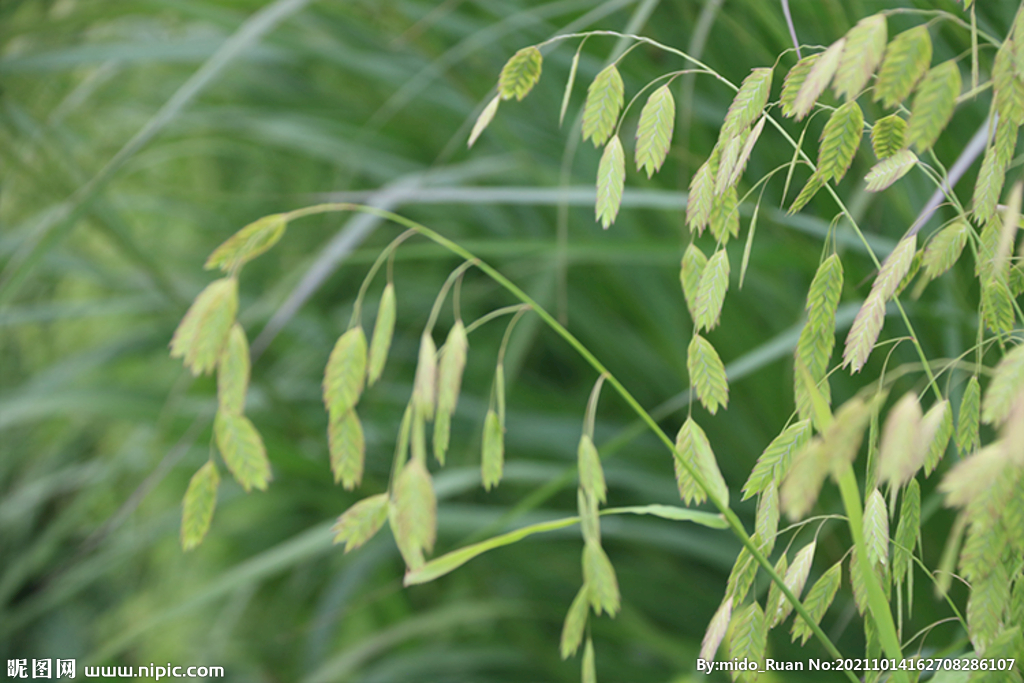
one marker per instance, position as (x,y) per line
(731,518)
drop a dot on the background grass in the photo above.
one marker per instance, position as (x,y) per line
(136,136)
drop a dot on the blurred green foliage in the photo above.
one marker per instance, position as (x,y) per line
(135,136)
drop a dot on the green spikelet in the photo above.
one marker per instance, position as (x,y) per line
(707,374)
(520,74)
(933,105)
(611,179)
(1009,89)
(887,135)
(817,79)
(748,104)
(906,60)
(865,45)
(604,101)
(795,80)
(887,171)
(945,248)
(654,132)
(839,141)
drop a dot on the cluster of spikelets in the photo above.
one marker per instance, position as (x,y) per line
(863,62)
(790,473)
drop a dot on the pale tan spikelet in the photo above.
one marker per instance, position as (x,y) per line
(818,78)
(865,46)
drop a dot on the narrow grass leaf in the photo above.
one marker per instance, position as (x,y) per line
(714,282)
(865,45)
(906,61)
(520,73)
(611,179)
(601,110)
(242,449)
(424,391)
(901,451)
(888,135)
(771,466)
(233,373)
(819,597)
(818,78)
(345,374)
(599,578)
(945,247)
(449,562)
(590,472)
(251,241)
(938,423)
(197,508)
(795,80)
(361,522)
(1005,386)
(796,578)
(204,330)
(483,120)
(839,141)
(716,631)
(876,528)
(748,637)
(933,105)
(968,418)
(694,450)
(347,447)
(492,460)
(588,669)
(908,529)
(575,623)
(707,374)
(672,513)
(748,103)
(766,523)
(690,274)
(887,171)
(654,132)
